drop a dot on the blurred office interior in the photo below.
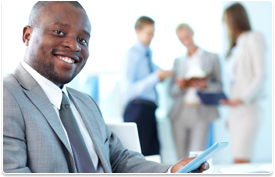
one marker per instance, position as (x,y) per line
(113,34)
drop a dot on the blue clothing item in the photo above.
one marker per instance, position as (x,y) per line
(138,74)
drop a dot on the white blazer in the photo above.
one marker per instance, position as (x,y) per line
(249,74)
(249,67)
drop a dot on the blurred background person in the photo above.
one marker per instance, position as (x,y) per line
(245,61)
(189,117)
(139,77)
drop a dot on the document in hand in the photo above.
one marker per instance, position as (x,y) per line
(196,73)
(211,99)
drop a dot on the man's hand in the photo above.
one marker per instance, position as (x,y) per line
(182,83)
(234,102)
(183,162)
(164,73)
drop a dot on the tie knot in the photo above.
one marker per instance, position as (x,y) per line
(65,101)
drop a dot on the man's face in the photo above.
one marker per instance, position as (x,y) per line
(58,46)
(186,37)
(146,33)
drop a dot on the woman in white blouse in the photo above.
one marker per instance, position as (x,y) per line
(246,60)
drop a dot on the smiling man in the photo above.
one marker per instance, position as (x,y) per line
(50,36)
(51,128)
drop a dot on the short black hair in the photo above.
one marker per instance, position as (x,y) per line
(42,7)
(141,21)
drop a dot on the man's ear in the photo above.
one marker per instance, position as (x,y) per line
(137,30)
(27,31)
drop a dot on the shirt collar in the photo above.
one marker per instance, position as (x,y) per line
(53,92)
(198,52)
(141,47)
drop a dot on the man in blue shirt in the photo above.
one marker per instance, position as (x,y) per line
(140,75)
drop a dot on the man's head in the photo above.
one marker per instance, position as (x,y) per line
(145,28)
(185,35)
(57,39)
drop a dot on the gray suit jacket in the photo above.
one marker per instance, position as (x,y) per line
(210,64)
(34,141)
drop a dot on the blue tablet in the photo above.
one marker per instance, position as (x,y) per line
(205,156)
(211,99)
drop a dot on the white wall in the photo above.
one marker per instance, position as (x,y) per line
(14,18)
(113,29)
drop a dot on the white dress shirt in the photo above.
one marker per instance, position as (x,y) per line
(231,61)
(54,93)
(192,62)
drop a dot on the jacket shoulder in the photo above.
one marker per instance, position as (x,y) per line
(10,83)
(180,59)
(212,54)
(251,37)
(254,34)
(255,37)
(133,51)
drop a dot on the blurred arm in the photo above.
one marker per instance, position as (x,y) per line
(174,88)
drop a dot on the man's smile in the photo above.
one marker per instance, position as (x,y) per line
(66,59)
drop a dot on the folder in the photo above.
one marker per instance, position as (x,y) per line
(211,99)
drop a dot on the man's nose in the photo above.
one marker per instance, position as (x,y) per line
(73,44)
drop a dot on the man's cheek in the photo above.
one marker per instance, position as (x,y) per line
(85,53)
(43,51)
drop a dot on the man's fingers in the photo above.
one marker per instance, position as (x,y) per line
(196,171)
(202,168)
(205,166)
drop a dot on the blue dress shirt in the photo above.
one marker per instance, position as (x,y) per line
(137,78)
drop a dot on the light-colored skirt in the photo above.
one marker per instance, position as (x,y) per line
(243,126)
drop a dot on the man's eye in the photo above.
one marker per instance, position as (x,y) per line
(59,32)
(82,40)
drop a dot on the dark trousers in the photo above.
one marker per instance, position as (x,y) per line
(142,112)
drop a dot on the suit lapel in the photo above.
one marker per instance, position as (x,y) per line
(37,96)
(92,126)
(240,48)
(182,66)
(205,64)
(239,52)
(40,100)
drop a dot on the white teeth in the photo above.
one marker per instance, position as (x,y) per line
(66,59)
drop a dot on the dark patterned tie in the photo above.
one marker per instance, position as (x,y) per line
(148,55)
(151,69)
(82,158)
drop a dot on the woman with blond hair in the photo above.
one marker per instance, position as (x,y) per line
(189,117)
(245,61)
